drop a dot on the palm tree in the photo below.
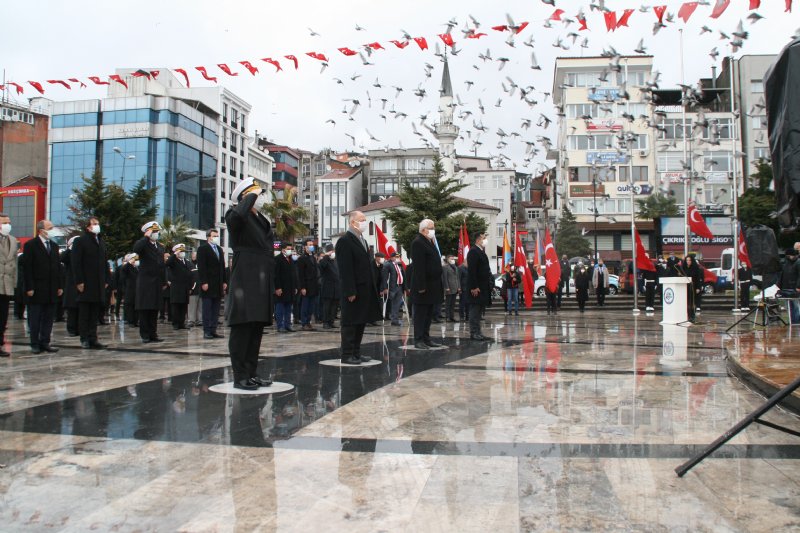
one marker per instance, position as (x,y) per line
(285,215)
(175,231)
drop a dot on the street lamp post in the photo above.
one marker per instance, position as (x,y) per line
(594,208)
(125,158)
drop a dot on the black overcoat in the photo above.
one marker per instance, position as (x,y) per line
(180,278)
(41,272)
(152,275)
(356,278)
(286,279)
(127,278)
(250,291)
(479,276)
(427,272)
(308,274)
(211,270)
(583,278)
(70,292)
(329,273)
(88,263)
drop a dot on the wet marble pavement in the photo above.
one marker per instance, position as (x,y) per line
(570,422)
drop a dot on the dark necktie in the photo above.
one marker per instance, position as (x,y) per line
(47,246)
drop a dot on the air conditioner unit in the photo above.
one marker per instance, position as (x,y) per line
(644,153)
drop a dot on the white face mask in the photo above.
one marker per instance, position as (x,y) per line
(260,201)
(154,236)
(181,255)
(45,234)
(5,229)
(136,264)
(95,228)
(333,255)
(215,240)
(295,257)
(363,226)
(287,253)
(381,260)
(452,261)
(431,234)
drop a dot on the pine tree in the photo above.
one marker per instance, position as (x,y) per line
(656,205)
(437,202)
(568,239)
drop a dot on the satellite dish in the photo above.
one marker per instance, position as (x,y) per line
(328,168)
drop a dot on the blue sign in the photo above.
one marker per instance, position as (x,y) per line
(609,95)
(606,157)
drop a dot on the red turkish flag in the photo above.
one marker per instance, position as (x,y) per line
(583,24)
(447,39)
(643,261)
(76,80)
(348,52)
(755,4)
(205,74)
(611,20)
(522,26)
(719,8)
(697,224)
(500,28)
(17,86)
(293,59)
(659,11)
(421,42)
(376,46)
(552,274)
(98,81)
(473,35)
(557,14)
(38,86)
(141,74)
(155,73)
(184,74)
(623,20)
(382,241)
(788,6)
(226,69)
(744,257)
(317,56)
(400,44)
(686,10)
(60,82)
(463,243)
(117,78)
(272,62)
(249,66)
(521,262)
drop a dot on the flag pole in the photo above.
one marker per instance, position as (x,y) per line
(686,175)
(734,195)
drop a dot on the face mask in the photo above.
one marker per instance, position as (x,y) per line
(311,249)
(333,255)
(295,257)
(5,229)
(136,264)
(95,228)
(381,260)
(363,226)
(215,240)
(181,255)
(452,261)
(154,236)
(45,234)
(260,201)
(287,253)
(431,234)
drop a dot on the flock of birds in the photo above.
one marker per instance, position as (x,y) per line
(486,102)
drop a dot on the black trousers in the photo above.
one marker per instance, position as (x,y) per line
(463,306)
(72,320)
(351,340)
(475,313)
(423,314)
(450,306)
(601,295)
(19,308)
(210,314)
(562,286)
(40,323)
(329,310)
(244,344)
(744,295)
(4,302)
(582,295)
(178,315)
(552,300)
(87,320)
(131,317)
(649,294)
(148,324)
(164,312)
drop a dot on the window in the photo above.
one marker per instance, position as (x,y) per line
(717,161)
(233,166)
(576,111)
(385,164)
(225,113)
(672,129)
(580,174)
(222,212)
(639,173)
(498,204)
(222,160)
(497,181)
(533,214)
(761,154)
(669,162)
(306,170)
(635,79)
(758,122)
(481,200)
(757,86)
(719,128)
(241,119)
(234,141)
(589,79)
(225,136)
(591,142)
(319,168)
(234,117)
(479,181)
(500,230)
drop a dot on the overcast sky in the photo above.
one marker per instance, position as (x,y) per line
(59,40)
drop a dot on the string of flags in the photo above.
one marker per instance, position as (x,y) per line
(613,21)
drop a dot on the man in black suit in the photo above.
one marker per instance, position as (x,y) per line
(213,278)
(565,275)
(150,281)
(426,283)
(329,286)
(392,283)
(41,286)
(180,280)
(248,308)
(479,286)
(359,294)
(128,274)
(90,275)
(308,275)
(286,283)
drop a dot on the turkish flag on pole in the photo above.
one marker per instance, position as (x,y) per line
(659,11)
(382,241)
(552,274)
(719,8)
(686,10)
(463,243)
(697,224)
(521,262)
(643,261)
(744,257)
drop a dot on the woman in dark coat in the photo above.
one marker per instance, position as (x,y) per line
(180,280)
(150,282)
(693,271)
(70,292)
(583,280)
(249,305)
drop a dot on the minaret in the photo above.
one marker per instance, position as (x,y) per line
(446,131)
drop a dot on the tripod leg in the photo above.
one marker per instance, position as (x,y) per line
(738,428)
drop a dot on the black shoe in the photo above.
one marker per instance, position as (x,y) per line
(4,353)
(431,344)
(207,336)
(217,336)
(176,328)
(261,382)
(421,346)
(144,341)
(280,330)
(351,361)
(245,384)
(49,349)
(397,323)
(478,338)
(102,322)
(97,345)
(364,358)
(436,321)
(73,333)
(326,326)
(290,330)
(157,339)
(36,350)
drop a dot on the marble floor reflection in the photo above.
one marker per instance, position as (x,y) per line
(572,422)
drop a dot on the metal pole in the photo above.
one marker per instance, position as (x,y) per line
(734,194)
(594,207)
(685,158)
(635,280)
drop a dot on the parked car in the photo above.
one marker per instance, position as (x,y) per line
(613,285)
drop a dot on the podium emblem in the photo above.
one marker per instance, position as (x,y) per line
(669,296)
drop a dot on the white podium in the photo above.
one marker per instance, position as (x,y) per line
(674,298)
